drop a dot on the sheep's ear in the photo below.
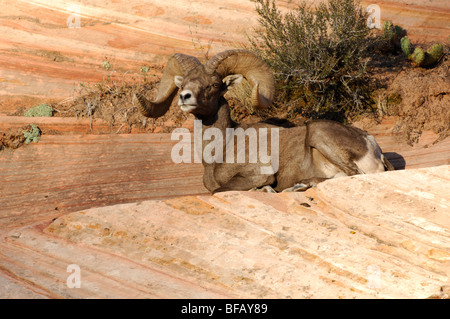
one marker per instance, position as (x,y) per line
(178,80)
(232,80)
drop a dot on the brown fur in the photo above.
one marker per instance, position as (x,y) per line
(301,157)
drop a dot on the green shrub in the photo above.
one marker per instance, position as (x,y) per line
(317,55)
(40,110)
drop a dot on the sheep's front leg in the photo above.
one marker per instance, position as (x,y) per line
(240,182)
(299,187)
(236,183)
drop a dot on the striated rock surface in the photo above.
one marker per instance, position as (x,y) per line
(370,236)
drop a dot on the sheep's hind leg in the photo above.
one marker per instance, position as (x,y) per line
(241,183)
(265,189)
(305,184)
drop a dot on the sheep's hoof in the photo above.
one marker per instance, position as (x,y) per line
(265,189)
(297,188)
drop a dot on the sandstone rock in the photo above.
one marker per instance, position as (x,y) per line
(369,236)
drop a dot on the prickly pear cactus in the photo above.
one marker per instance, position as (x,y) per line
(392,33)
(435,53)
(388,30)
(406,46)
(419,57)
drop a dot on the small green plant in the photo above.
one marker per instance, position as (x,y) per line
(419,56)
(40,110)
(144,69)
(106,65)
(32,135)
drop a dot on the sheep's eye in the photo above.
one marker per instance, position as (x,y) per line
(216,85)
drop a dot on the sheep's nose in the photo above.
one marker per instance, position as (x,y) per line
(185,95)
(187,101)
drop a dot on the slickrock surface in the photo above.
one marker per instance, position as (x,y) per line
(65,173)
(370,236)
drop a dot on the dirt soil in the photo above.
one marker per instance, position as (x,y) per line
(424,100)
(13,138)
(418,96)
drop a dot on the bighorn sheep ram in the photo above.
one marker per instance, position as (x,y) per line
(308,154)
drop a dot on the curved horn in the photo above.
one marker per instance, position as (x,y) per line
(178,64)
(253,68)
